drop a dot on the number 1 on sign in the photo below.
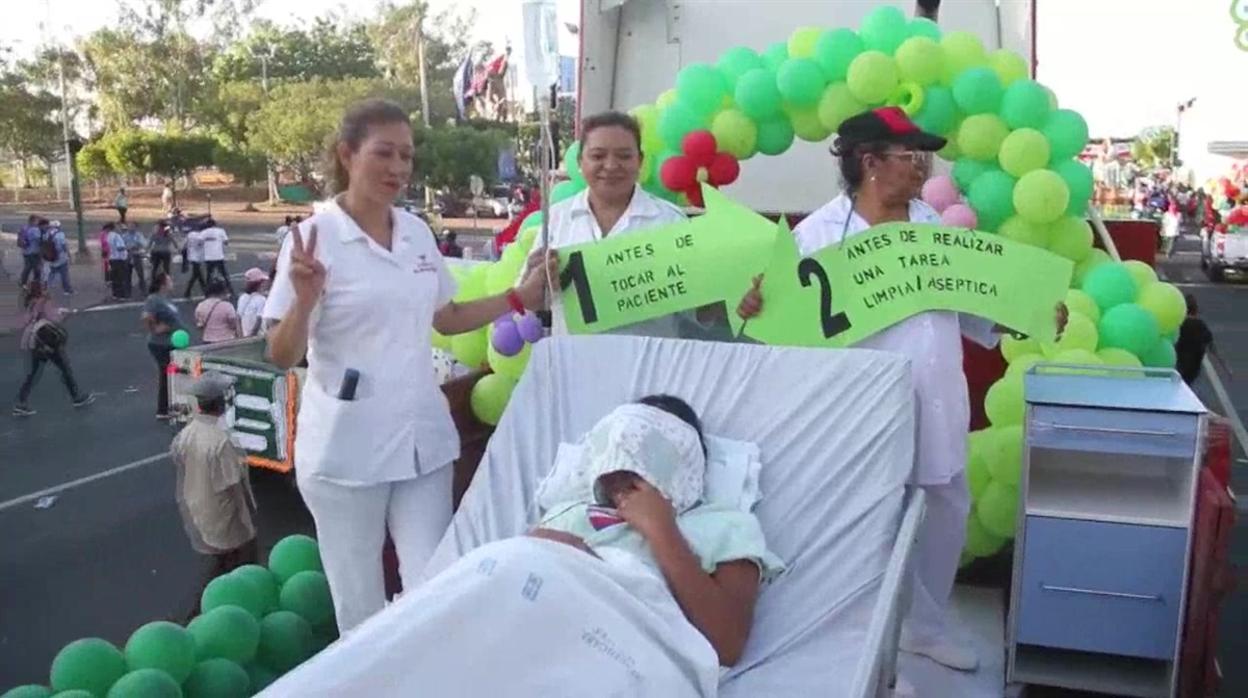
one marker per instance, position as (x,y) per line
(832,324)
(574,275)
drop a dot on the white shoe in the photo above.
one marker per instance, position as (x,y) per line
(944,650)
(903,689)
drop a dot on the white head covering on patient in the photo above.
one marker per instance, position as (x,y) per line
(660,447)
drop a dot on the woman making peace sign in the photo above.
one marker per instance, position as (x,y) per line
(359,287)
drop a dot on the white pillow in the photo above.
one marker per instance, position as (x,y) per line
(732,472)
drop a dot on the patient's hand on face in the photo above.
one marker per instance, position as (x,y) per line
(562,537)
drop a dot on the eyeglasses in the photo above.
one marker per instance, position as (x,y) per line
(916,157)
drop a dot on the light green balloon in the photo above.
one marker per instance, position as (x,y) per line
(991,195)
(1110,284)
(1067,133)
(775,135)
(1021,364)
(978,91)
(1078,178)
(977,475)
(1025,104)
(1079,357)
(1130,327)
(1009,66)
(801,82)
(1018,229)
(501,275)
(979,542)
(489,397)
(735,133)
(963,50)
(807,125)
(938,114)
(1161,355)
(921,60)
(1005,454)
(949,153)
(837,105)
(1022,151)
(835,50)
(884,29)
(922,26)
(1079,302)
(872,77)
(471,287)
(738,61)
(1113,356)
(509,366)
(1141,272)
(980,136)
(1012,348)
(1071,237)
(145,683)
(1094,259)
(757,96)
(565,190)
(1041,196)
(1080,333)
(469,348)
(1166,303)
(997,509)
(1003,402)
(965,170)
(802,41)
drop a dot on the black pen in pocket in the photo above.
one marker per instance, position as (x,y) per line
(350,379)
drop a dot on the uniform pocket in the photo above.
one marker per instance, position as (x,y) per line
(356,440)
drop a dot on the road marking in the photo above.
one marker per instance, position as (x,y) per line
(57,489)
(127,305)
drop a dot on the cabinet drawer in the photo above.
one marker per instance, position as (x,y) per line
(1101,587)
(1113,431)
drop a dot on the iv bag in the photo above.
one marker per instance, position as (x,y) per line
(541,43)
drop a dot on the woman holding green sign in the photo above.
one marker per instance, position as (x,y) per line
(884,160)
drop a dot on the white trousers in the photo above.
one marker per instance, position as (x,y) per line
(351,525)
(939,546)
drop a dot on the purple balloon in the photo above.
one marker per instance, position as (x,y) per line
(940,193)
(505,319)
(530,327)
(959,216)
(506,339)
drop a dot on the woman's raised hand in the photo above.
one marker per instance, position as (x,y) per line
(752,303)
(307,274)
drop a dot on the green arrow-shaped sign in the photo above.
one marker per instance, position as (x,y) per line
(626,279)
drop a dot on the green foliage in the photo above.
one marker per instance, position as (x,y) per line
(325,50)
(135,152)
(93,161)
(1153,147)
(448,155)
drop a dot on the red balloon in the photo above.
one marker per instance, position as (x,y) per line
(700,146)
(678,173)
(724,169)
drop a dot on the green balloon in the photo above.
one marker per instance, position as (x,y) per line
(835,50)
(510,366)
(162,645)
(501,277)
(28,691)
(677,121)
(802,42)
(1012,348)
(260,676)
(978,91)
(757,95)
(775,55)
(872,77)
(735,133)
(1166,303)
(91,664)
(963,50)
(1080,333)
(1041,196)
(1110,285)
(1130,327)
(997,509)
(991,197)
(951,152)
(294,554)
(1004,454)
(1094,259)
(884,29)
(807,125)
(1143,274)
(837,105)
(1003,403)
(1113,356)
(1020,365)
(264,580)
(1067,133)
(702,87)
(469,348)
(572,156)
(307,594)
(1078,178)
(977,475)
(922,26)
(921,60)
(565,190)
(471,286)
(489,397)
(775,136)
(1071,237)
(801,82)
(180,339)
(1079,302)
(966,170)
(285,641)
(1019,230)
(1022,151)
(980,136)
(1161,355)
(218,678)
(228,590)
(938,114)
(1009,66)
(738,61)
(145,683)
(1025,104)
(979,542)
(226,632)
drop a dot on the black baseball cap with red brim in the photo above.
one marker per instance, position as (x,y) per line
(886,125)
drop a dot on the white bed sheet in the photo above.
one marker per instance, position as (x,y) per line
(836,430)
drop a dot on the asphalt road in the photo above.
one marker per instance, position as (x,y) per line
(110,554)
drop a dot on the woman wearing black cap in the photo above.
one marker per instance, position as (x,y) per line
(884,160)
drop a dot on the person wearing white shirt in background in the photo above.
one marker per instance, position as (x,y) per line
(215,241)
(283,230)
(359,289)
(884,158)
(251,302)
(193,256)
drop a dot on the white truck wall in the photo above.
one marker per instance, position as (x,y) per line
(632,49)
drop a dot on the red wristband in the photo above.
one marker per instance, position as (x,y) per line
(513,299)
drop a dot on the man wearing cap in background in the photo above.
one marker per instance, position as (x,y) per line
(213,490)
(57,257)
(884,160)
(251,302)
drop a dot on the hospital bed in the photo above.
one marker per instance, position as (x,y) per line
(836,432)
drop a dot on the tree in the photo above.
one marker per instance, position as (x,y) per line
(1153,147)
(447,156)
(93,161)
(26,127)
(326,51)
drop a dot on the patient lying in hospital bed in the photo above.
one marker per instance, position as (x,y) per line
(630,586)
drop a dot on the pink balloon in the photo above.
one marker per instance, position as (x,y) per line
(959,216)
(940,193)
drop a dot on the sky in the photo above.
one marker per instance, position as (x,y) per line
(1124,64)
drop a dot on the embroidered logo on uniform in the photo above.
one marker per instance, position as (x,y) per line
(423,264)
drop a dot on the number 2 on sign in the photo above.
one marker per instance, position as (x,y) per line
(833,324)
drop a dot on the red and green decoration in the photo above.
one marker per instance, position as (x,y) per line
(700,161)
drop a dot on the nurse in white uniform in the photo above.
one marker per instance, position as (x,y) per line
(359,287)
(884,160)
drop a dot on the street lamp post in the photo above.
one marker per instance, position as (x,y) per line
(75,192)
(1178,126)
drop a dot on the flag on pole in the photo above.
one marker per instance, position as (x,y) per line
(461,86)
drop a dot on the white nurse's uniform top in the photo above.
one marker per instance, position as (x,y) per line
(573,223)
(375,316)
(931,340)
